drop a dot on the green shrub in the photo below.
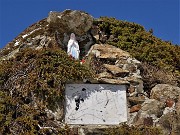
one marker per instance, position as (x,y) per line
(32,82)
(142,44)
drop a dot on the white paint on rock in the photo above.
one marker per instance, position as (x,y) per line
(30,33)
(24,36)
(95,104)
(17,43)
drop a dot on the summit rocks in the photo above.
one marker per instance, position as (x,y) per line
(70,21)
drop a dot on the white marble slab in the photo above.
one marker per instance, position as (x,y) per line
(95,104)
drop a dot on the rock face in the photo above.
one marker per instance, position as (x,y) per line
(116,71)
(70,21)
(163,109)
(105,51)
(169,96)
(115,66)
(151,108)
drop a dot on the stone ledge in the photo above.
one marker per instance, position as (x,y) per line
(113,81)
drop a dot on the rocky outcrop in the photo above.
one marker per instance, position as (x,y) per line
(162,110)
(70,21)
(115,66)
(113,81)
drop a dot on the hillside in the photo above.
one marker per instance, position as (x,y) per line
(141,44)
(34,69)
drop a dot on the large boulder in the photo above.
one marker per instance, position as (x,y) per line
(105,51)
(62,24)
(70,21)
(162,92)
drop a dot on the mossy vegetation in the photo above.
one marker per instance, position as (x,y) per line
(31,83)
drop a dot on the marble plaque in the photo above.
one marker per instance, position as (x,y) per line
(95,104)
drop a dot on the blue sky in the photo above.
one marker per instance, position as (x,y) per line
(160,15)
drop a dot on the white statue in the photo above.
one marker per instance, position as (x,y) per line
(73,47)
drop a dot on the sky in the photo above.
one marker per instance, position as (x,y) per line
(163,16)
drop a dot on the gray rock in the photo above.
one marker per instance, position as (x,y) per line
(162,92)
(105,51)
(85,42)
(116,71)
(36,40)
(65,39)
(69,21)
(11,54)
(170,124)
(43,40)
(151,108)
(140,87)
